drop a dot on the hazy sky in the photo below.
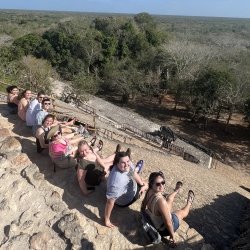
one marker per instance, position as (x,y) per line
(225,8)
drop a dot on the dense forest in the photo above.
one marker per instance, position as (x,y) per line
(204,63)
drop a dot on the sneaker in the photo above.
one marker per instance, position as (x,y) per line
(118,148)
(139,166)
(129,153)
(80,130)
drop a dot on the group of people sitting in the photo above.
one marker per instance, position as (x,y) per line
(67,148)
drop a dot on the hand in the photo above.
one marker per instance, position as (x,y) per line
(143,189)
(172,243)
(109,224)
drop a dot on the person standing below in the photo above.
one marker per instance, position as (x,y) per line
(24,104)
(12,99)
(124,185)
(34,107)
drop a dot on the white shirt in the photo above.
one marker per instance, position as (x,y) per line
(33,109)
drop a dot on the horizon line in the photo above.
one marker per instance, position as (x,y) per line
(121,13)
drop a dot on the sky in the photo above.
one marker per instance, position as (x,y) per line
(214,8)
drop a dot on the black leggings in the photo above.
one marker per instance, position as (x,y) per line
(136,197)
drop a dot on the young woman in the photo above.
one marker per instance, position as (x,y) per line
(61,149)
(41,133)
(12,99)
(159,207)
(91,168)
(24,104)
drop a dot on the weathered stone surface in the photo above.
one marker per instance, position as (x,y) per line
(4,133)
(194,237)
(18,242)
(70,226)
(21,160)
(4,163)
(46,240)
(32,175)
(10,145)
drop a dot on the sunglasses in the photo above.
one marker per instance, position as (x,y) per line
(47,103)
(57,133)
(157,184)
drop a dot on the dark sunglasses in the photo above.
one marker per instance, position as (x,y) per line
(157,184)
(47,103)
(57,133)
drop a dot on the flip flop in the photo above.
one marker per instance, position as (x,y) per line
(100,145)
(92,141)
(118,148)
(190,196)
(178,186)
(139,166)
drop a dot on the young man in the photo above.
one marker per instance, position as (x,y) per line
(41,114)
(34,107)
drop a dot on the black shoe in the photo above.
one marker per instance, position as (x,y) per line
(118,148)
(128,152)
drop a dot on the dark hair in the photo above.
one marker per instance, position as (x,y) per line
(10,88)
(21,95)
(153,176)
(48,116)
(40,93)
(118,156)
(45,100)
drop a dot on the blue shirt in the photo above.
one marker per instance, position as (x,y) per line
(121,186)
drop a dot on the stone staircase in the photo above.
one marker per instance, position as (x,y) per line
(216,210)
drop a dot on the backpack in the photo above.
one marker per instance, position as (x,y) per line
(147,225)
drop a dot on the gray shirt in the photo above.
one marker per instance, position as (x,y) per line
(121,186)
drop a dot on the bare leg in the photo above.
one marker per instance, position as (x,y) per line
(109,159)
(76,140)
(170,197)
(183,213)
(69,136)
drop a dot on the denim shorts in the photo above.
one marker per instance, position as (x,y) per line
(176,224)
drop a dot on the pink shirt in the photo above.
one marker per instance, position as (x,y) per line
(59,150)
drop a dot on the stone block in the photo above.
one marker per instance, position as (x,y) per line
(193,237)
(21,160)
(4,133)
(70,227)
(9,145)
(46,240)
(33,176)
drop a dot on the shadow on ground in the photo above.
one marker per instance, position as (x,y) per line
(220,220)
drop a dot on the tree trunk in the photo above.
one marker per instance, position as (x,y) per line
(175,104)
(218,114)
(229,118)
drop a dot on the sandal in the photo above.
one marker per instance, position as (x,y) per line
(118,148)
(92,142)
(178,186)
(139,166)
(100,145)
(190,196)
